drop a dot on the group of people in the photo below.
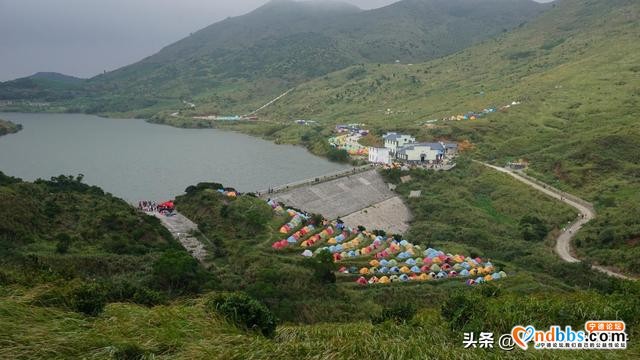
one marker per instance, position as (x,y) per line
(148,206)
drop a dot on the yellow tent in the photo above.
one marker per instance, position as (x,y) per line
(364,271)
(374,262)
(332,241)
(423,277)
(488,278)
(383,280)
(405,270)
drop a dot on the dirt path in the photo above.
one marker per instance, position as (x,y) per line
(563,242)
(182,229)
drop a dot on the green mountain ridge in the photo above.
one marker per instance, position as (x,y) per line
(243,61)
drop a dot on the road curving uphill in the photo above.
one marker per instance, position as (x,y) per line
(563,242)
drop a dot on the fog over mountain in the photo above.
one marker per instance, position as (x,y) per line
(85,37)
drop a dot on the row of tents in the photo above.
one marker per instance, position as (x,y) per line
(474,115)
(391,260)
(425,277)
(302,235)
(275,206)
(296,220)
(434,265)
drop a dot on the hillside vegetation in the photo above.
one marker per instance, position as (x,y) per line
(238,64)
(69,245)
(46,289)
(575,71)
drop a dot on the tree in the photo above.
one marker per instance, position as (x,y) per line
(338,155)
(177,273)
(533,228)
(323,267)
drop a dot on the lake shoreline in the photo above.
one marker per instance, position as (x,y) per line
(315,148)
(136,160)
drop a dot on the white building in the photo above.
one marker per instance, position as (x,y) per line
(393,141)
(379,155)
(421,152)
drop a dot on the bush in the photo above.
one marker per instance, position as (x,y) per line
(127,291)
(533,228)
(338,155)
(323,267)
(129,352)
(88,299)
(63,244)
(245,312)
(148,297)
(252,213)
(400,313)
(177,273)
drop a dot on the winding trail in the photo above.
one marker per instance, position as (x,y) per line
(183,229)
(563,242)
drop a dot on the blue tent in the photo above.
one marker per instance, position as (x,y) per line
(416,270)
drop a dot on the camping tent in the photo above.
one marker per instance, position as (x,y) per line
(307,253)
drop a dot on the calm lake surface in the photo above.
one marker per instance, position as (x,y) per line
(136,160)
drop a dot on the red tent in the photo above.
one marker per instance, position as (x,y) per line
(167,204)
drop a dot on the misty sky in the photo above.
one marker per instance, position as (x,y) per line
(85,37)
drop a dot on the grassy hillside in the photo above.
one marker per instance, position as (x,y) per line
(7,127)
(575,71)
(318,319)
(238,64)
(71,246)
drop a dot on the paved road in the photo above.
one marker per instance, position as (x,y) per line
(181,228)
(563,243)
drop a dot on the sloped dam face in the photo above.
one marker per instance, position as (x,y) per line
(358,199)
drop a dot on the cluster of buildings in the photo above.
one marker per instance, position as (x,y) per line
(401,147)
(348,137)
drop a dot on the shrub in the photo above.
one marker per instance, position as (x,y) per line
(338,155)
(63,244)
(88,299)
(129,352)
(245,312)
(323,267)
(253,213)
(148,297)
(533,228)
(400,313)
(177,273)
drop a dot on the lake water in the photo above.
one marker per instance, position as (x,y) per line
(136,160)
